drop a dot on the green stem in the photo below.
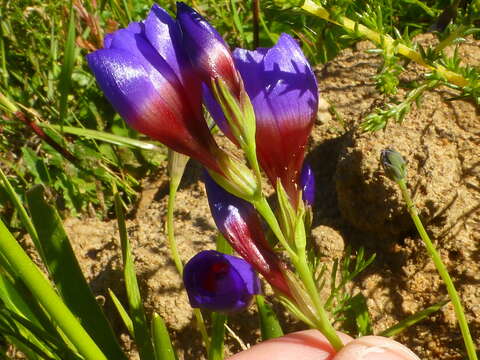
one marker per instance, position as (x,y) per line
(43,291)
(322,322)
(387,40)
(202,328)
(452,292)
(177,166)
(173,187)
(262,206)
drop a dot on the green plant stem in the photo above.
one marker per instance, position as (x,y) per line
(452,292)
(262,206)
(170,226)
(47,297)
(384,39)
(173,187)
(322,322)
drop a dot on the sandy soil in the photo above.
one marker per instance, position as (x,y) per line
(356,205)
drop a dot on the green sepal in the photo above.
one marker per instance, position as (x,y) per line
(238,112)
(287,213)
(300,234)
(237,179)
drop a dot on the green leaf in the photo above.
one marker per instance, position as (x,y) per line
(26,221)
(104,136)
(42,290)
(63,266)
(137,311)
(359,310)
(123,313)
(413,319)
(67,66)
(269,325)
(41,338)
(161,340)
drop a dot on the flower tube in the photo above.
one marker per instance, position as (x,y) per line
(239,223)
(145,73)
(220,282)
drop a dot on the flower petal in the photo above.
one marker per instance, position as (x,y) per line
(284,94)
(146,104)
(165,35)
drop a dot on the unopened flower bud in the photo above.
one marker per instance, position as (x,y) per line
(393,164)
(220,282)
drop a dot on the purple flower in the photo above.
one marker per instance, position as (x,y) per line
(239,223)
(207,50)
(307,182)
(220,282)
(147,77)
(283,90)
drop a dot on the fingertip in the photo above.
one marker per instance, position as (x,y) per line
(305,345)
(375,348)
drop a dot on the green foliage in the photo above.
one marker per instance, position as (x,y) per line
(348,309)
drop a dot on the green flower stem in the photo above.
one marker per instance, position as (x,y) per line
(322,323)
(262,206)
(300,262)
(251,155)
(387,40)
(173,187)
(177,166)
(202,328)
(43,291)
(452,292)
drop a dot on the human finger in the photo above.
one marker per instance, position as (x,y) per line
(375,348)
(302,345)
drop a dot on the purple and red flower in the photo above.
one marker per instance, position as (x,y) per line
(147,76)
(239,223)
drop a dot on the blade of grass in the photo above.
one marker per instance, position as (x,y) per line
(103,136)
(413,319)
(24,218)
(237,22)
(65,79)
(123,313)
(269,325)
(30,349)
(63,266)
(161,340)
(137,312)
(46,295)
(46,339)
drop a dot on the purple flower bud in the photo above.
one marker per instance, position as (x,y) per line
(220,282)
(207,50)
(307,182)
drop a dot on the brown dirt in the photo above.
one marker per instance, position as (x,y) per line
(356,205)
